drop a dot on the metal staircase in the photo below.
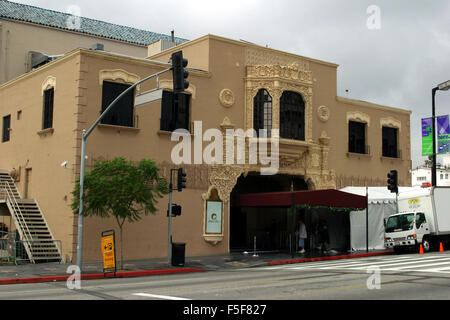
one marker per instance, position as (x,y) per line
(33,229)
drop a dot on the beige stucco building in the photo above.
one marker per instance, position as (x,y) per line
(326,141)
(29,34)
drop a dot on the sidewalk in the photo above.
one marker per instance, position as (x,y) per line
(49,272)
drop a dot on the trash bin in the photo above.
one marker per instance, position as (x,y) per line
(178,250)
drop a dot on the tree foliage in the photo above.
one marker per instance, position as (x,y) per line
(120,189)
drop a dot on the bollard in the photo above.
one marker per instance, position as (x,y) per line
(254,247)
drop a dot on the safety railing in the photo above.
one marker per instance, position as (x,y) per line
(6,246)
(43,251)
(17,214)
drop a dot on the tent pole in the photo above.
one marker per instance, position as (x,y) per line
(367,219)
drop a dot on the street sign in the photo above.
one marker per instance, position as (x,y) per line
(427,136)
(148,96)
(108,251)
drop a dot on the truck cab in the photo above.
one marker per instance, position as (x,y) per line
(407,230)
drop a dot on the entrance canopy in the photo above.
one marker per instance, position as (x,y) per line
(314,198)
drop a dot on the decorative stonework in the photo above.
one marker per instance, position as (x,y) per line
(359,117)
(276,79)
(226,98)
(324,113)
(391,122)
(255,56)
(49,82)
(290,72)
(118,74)
(224,178)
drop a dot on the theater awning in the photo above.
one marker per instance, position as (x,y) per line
(315,198)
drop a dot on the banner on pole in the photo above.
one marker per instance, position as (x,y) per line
(427,136)
(443,131)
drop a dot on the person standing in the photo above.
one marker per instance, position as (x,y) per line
(302,235)
(324,237)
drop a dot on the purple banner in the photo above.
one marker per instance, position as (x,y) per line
(443,131)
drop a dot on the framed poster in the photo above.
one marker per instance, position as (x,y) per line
(214,217)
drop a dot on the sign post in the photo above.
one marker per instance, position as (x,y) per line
(109,251)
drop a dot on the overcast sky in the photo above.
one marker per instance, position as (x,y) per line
(396,64)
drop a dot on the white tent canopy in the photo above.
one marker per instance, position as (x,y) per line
(382,203)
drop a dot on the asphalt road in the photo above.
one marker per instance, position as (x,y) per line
(409,276)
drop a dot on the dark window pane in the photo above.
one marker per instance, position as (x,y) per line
(390,148)
(356,137)
(48,109)
(292,116)
(121,113)
(262,112)
(6,127)
(174,113)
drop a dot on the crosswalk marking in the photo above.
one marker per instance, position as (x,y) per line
(426,263)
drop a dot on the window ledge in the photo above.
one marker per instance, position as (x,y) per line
(45,132)
(213,239)
(169,133)
(384,158)
(358,155)
(118,128)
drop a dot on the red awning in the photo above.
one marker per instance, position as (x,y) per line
(320,198)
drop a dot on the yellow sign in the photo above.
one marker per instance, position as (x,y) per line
(109,260)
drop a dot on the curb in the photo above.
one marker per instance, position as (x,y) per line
(94,276)
(347,256)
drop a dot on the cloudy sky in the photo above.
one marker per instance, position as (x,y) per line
(396,61)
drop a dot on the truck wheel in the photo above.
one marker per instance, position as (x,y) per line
(426,245)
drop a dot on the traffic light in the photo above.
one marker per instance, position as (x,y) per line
(393,181)
(181,179)
(176,210)
(179,73)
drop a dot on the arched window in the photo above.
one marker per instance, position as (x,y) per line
(292,116)
(262,113)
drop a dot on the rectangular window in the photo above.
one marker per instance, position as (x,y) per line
(6,127)
(357,137)
(390,136)
(174,114)
(121,113)
(47,121)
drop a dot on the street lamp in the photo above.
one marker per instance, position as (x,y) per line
(85,135)
(443,87)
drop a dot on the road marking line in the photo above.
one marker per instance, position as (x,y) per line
(148,295)
(375,263)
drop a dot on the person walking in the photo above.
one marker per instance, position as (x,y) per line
(302,235)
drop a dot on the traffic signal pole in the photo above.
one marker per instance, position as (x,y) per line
(169,233)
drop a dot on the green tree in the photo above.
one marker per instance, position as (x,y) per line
(120,189)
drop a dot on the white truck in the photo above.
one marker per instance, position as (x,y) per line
(423,218)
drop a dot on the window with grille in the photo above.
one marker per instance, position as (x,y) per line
(174,111)
(262,113)
(6,127)
(390,148)
(357,137)
(292,116)
(121,113)
(47,121)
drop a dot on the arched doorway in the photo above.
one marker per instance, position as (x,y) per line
(270,226)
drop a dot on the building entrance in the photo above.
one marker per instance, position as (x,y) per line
(269,227)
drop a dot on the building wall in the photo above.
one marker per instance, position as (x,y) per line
(225,66)
(17,39)
(42,152)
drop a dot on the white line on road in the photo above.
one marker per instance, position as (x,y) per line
(148,295)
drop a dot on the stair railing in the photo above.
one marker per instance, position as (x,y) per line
(24,231)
